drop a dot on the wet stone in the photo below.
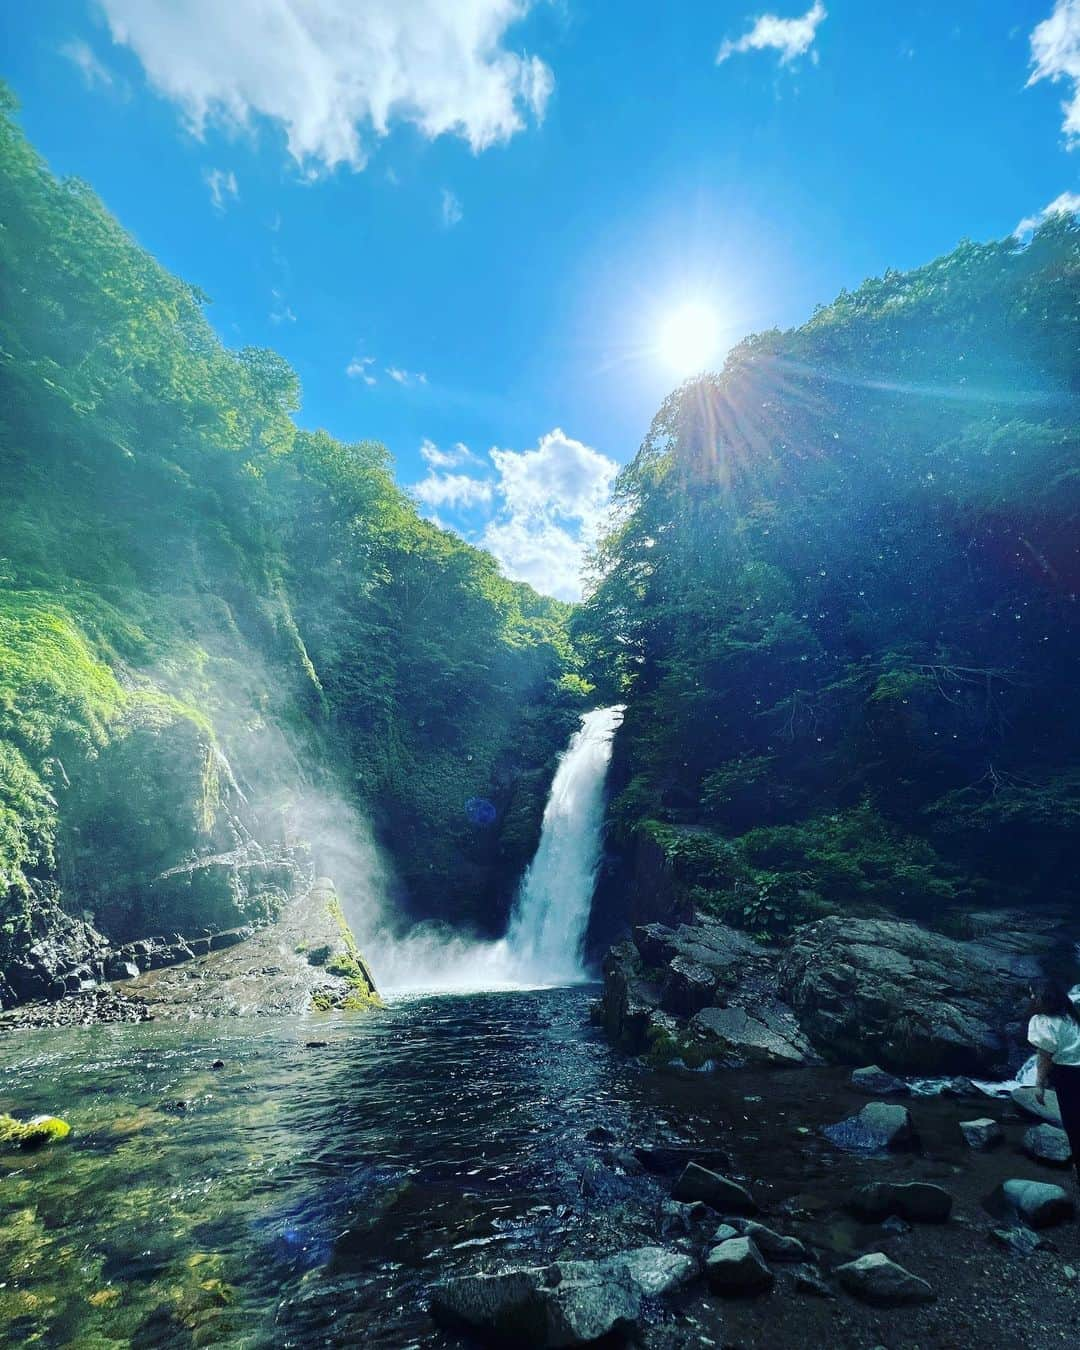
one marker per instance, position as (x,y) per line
(737,1267)
(719,1193)
(875,1279)
(981,1134)
(1038,1203)
(877,1128)
(1048,1144)
(878,1083)
(775,1246)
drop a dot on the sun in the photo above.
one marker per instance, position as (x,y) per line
(689,338)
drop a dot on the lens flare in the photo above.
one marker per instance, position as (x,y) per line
(689,338)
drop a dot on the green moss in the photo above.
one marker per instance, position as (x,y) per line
(33,1133)
(347,965)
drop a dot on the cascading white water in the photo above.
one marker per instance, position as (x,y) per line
(544,944)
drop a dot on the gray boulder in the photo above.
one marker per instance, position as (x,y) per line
(875,1279)
(737,1267)
(912,1000)
(629,998)
(981,1134)
(776,1246)
(1019,1239)
(1048,1110)
(719,1193)
(688,987)
(1038,1203)
(737,1037)
(569,1303)
(1048,1144)
(878,1083)
(877,1128)
(917,1201)
(655,1270)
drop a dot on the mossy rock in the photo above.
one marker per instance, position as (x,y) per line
(33,1133)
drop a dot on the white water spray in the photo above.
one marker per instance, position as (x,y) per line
(544,944)
(547,931)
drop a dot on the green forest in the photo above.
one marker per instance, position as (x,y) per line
(840,600)
(208,613)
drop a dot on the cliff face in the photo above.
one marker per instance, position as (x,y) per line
(224,641)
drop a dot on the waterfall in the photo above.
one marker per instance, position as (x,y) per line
(547,930)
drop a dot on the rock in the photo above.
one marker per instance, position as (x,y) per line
(877,1280)
(914,1001)
(734,1037)
(1020,1240)
(656,1270)
(895,1224)
(724,1232)
(1038,1203)
(569,1303)
(625,1160)
(878,1083)
(1048,1110)
(116,969)
(654,943)
(737,1267)
(719,1193)
(600,1134)
(33,1133)
(981,1134)
(316,1045)
(919,1201)
(774,1245)
(628,999)
(1048,1144)
(218,1064)
(199,946)
(807,1281)
(679,1218)
(688,987)
(879,1126)
(228,939)
(669,1159)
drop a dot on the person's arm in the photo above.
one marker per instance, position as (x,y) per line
(1042,1074)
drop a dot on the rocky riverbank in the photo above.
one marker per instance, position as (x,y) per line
(842,989)
(306,958)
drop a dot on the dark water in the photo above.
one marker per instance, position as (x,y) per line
(297,1195)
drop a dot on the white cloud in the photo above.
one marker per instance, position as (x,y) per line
(223,187)
(94,72)
(359,369)
(548,505)
(1068,203)
(453,489)
(446,459)
(1055,55)
(337,75)
(282,311)
(400,376)
(451,209)
(791,38)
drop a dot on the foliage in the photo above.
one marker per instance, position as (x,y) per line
(838,597)
(172,540)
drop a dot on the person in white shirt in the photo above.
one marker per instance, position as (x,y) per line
(1054,1031)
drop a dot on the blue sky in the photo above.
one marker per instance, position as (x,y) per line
(467,223)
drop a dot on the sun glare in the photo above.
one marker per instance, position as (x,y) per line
(689,339)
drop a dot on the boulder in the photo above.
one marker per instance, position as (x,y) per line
(981,1134)
(688,986)
(776,1246)
(878,1127)
(1019,1239)
(1048,1144)
(628,1000)
(1038,1203)
(569,1303)
(116,969)
(655,1270)
(679,1218)
(227,939)
(735,1037)
(918,1201)
(1048,1110)
(878,1083)
(737,1267)
(719,1193)
(914,1001)
(875,1279)
(806,1280)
